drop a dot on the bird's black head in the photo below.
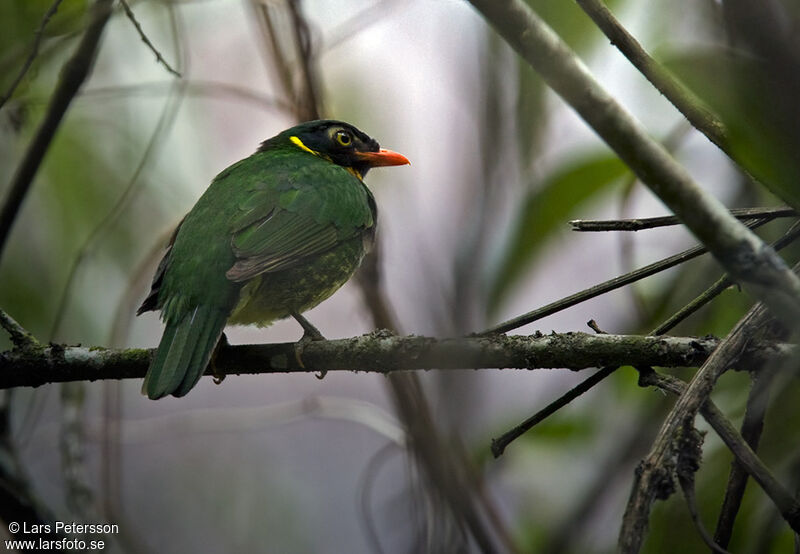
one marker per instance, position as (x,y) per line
(338,142)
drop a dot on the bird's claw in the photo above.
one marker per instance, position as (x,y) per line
(217,375)
(310,334)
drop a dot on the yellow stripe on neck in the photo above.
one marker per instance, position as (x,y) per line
(299,143)
(355,173)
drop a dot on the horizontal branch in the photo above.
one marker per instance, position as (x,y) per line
(380,352)
(638,224)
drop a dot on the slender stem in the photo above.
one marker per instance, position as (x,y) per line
(692,108)
(159,58)
(499,444)
(74,73)
(754,466)
(19,335)
(752,426)
(37,41)
(602,288)
(639,224)
(749,261)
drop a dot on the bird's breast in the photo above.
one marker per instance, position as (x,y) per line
(275,295)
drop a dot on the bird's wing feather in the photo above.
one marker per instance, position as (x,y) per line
(151,302)
(184,352)
(304,215)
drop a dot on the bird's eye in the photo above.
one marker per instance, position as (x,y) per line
(344,138)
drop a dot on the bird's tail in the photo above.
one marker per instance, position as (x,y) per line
(184,352)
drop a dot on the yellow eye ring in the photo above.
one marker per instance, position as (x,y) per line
(344,138)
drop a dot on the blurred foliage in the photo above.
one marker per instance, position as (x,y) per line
(542,481)
(569,21)
(550,200)
(546,209)
(19,21)
(741,90)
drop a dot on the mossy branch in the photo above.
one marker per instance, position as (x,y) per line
(381,352)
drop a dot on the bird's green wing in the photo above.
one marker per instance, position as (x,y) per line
(305,215)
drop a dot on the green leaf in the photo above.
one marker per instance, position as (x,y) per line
(546,210)
(748,100)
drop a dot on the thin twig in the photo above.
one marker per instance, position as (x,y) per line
(638,224)
(501,443)
(752,426)
(720,285)
(19,336)
(665,82)
(309,102)
(649,481)
(689,453)
(755,467)
(362,20)
(752,263)
(159,58)
(602,288)
(37,40)
(193,88)
(73,74)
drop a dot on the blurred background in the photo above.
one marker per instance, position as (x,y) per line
(474,232)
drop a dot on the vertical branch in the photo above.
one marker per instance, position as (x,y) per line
(450,476)
(752,425)
(73,75)
(288,42)
(653,480)
(309,102)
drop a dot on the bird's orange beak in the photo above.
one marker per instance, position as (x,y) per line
(382,157)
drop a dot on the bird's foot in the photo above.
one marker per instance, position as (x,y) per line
(310,334)
(218,375)
(309,331)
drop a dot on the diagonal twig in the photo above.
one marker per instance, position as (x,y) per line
(159,58)
(602,288)
(37,41)
(639,224)
(752,426)
(757,267)
(649,480)
(499,444)
(692,108)
(73,74)
(20,336)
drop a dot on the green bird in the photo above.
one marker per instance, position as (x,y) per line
(273,236)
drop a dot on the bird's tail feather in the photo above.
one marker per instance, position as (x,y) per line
(184,352)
